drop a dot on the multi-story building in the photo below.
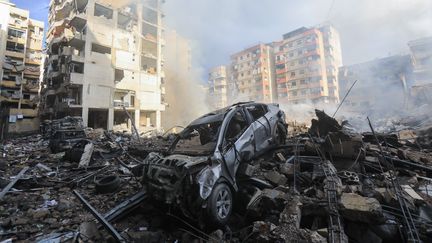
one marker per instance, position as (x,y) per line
(382,85)
(333,60)
(251,74)
(179,82)
(421,54)
(306,64)
(218,90)
(104,56)
(20,58)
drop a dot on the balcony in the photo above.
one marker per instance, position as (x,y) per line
(14,54)
(9,84)
(25,112)
(76,78)
(63,9)
(19,40)
(18,23)
(281,71)
(77,39)
(32,71)
(78,20)
(120,103)
(33,61)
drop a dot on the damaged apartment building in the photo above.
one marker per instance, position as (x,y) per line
(104,57)
(301,68)
(380,82)
(251,74)
(20,57)
(306,65)
(421,56)
(218,87)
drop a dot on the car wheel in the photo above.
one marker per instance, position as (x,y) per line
(280,134)
(108,184)
(220,204)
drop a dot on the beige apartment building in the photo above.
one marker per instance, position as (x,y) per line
(20,58)
(251,74)
(218,90)
(104,56)
(421,56)
(306,66)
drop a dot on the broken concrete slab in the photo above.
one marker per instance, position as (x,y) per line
(361,209)
(276,178)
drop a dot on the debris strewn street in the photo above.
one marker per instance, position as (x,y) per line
(328,184)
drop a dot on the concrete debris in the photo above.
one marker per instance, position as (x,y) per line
(357,208)
(324,184)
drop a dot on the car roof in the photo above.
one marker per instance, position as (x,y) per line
(218,115)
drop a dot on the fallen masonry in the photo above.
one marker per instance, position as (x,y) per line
(329,184)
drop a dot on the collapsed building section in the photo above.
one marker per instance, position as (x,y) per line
(21,57)
(330,184)
(104,57)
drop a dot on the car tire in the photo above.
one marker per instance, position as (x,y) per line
(280,134)
(107,184)
(220,204)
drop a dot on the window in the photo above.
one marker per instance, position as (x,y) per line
(302,71)
(256,111)
(16,33)
(294,83)
(292,74)
(103,11)
(100,49)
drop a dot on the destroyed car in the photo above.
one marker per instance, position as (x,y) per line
(63,140)
(199,171)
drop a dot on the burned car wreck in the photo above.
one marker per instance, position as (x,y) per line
(199,172)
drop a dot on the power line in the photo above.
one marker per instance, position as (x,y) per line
(329,11)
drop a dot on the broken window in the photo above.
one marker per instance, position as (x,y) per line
(16,33)
(124,22)
(118,75)
(103,11)
(100,49)
(149,32)
(76,67)
(256,111)
(12,46)
(149,48)
(149,65)
(150,15)
(236,127)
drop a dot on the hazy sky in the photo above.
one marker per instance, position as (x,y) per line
(218,28)
(368,28)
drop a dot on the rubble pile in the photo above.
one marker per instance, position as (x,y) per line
(328,184)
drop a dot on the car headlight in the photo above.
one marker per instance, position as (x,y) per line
(205,180)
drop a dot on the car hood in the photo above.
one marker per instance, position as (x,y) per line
(185,160)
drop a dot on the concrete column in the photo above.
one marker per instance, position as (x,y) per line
(110,122)
(148,120)
(137,120)
(85,111)
(158,119)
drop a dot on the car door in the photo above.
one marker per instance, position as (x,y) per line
(238,147)
(261,126)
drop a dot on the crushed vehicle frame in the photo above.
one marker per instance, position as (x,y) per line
(193,178)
